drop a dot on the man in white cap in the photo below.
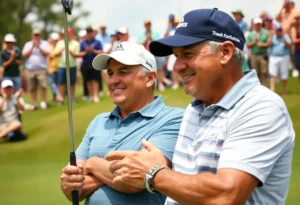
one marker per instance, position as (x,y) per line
(259,40)
(11,61)
(139,115)
(36,52)
(10,106)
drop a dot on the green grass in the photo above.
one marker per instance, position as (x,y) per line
(30,170)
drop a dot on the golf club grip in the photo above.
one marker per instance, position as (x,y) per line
(75,196)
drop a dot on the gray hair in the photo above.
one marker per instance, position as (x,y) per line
(238,55)
(144,72)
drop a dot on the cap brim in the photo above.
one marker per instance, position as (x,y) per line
(163,47)
(237,12)
(100,62)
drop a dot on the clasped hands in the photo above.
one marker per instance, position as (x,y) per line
(128,167)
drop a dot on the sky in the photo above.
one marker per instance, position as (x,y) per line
(132,13)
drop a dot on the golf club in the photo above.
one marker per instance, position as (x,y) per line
(68,5)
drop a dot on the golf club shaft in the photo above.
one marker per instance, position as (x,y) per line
(75,197)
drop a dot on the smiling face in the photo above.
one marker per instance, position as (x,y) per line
(129,87)
(202,70)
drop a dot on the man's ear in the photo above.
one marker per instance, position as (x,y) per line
(227,52)
(151,79)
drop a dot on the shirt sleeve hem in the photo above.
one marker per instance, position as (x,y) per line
(245,168)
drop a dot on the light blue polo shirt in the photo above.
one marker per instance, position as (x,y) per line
(243,25)
(249,129)
(156,123)
(278,47)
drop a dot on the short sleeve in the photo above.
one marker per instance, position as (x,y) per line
(77,47)
(26,47)
(249,38)
(82,151)
(81,46)
(19,56)
(2,57)
(165,138)
(287,38)
(141,38)
(58,46)
(98,46)
(256,138)
(46,46)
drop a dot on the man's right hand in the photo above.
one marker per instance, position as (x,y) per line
(72,178)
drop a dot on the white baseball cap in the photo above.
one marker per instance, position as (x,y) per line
(82,33)
(129,54)
(257,20)
(7,83)
(123,30)
(9,38)
(54,36)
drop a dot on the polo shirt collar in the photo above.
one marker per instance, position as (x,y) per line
(150,110)
(239,90)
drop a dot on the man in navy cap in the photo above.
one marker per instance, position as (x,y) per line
(236,138)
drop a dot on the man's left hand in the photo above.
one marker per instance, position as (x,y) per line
(130,167)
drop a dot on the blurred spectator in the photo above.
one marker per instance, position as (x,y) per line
(62,80)
(103,36)
(286,15)
(171,60)
(279,59)
(11,61)
(36,52)
(122,35)
(145,39)
(82,37)
(269,25)
(171,25)
(95,30)
(53,65)
(295,34)
(89,48)
(239,18)
(10,106)
(259,40)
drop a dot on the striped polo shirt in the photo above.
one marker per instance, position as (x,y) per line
(249,129)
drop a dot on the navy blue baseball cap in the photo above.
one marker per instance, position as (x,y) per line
(201,25)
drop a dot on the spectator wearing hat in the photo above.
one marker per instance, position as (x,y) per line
(11,61)
(121,35)
(171,25)
(295,35)
(103,36)
(36,52)
(138,115)
(89,49)
(10,106)
(236,139)
(62,79)
(53,66)
(286,15)
(259,40)
(171,60)
(145,39)
(269,25)
(239,18)
(279,59)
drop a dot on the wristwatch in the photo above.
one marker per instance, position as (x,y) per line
(148,179)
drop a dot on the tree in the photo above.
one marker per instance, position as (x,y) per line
(20,16)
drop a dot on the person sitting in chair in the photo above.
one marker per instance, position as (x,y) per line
(10,106)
